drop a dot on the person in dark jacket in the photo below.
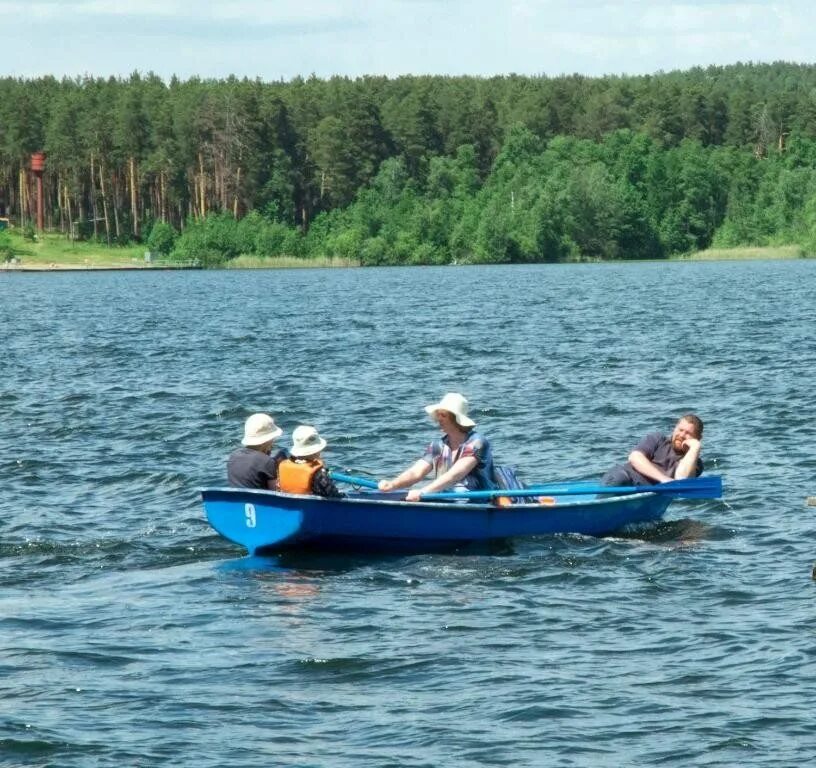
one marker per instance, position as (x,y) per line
(658,458)
(252,465)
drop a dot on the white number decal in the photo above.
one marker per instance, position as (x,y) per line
(249,510)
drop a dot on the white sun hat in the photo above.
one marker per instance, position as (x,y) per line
(306,441)
(456,404)
(260,428)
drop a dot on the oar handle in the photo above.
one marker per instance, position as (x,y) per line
(363,482)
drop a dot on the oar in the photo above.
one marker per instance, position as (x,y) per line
(363,482)
(693,488)
(709,487)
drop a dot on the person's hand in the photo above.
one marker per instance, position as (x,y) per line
(689,443)
(386,485)
(413,495)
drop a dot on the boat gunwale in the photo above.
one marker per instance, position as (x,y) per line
(461,504)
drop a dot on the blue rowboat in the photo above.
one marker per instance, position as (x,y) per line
(268,521)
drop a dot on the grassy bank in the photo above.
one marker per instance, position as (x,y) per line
(57,252)
(745,254)
(53,251)
(50,251)
(286,262)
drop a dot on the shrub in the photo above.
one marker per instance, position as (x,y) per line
(271,239)
(247,231)
(345,244)
(210,242)
(6,248)
(162,238)
(293,244)
(374,251)
(425,253)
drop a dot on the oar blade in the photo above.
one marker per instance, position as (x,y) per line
(708,487)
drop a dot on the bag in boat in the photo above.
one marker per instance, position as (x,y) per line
(507,478)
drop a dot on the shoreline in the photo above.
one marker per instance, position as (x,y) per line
(773,253)
(89,268)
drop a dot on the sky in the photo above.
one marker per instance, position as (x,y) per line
(282,39)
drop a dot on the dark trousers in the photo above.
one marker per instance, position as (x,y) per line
(623,475)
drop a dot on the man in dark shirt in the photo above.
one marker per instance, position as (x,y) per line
(252,466)
(658,459)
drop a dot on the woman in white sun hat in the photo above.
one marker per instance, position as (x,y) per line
(461,458)
(252,466)
(304,470)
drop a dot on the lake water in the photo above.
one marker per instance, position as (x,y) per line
(132,635)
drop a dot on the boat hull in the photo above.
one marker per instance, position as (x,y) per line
(268,521)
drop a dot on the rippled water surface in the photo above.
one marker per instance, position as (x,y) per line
(132,635)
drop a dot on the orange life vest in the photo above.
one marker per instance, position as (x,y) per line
(296,476)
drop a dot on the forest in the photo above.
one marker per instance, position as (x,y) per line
(419,170)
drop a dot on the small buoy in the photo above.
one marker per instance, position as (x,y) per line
(811,501)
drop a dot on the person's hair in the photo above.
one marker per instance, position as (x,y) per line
(696,421)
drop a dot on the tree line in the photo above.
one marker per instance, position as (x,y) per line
(420,169)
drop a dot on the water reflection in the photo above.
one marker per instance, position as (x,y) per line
(681,532)
(291,587)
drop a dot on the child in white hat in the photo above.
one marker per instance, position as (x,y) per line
(304,471)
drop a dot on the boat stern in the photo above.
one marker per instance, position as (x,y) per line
(250,518)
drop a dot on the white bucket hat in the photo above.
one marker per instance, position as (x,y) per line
(306,441)
(260,428)
(456,404)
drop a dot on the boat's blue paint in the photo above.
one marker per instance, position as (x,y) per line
(252,519)
(269,521)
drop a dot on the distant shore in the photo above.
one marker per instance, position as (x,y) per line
(88,267)
(745,254)
(100,260)
(67,267)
